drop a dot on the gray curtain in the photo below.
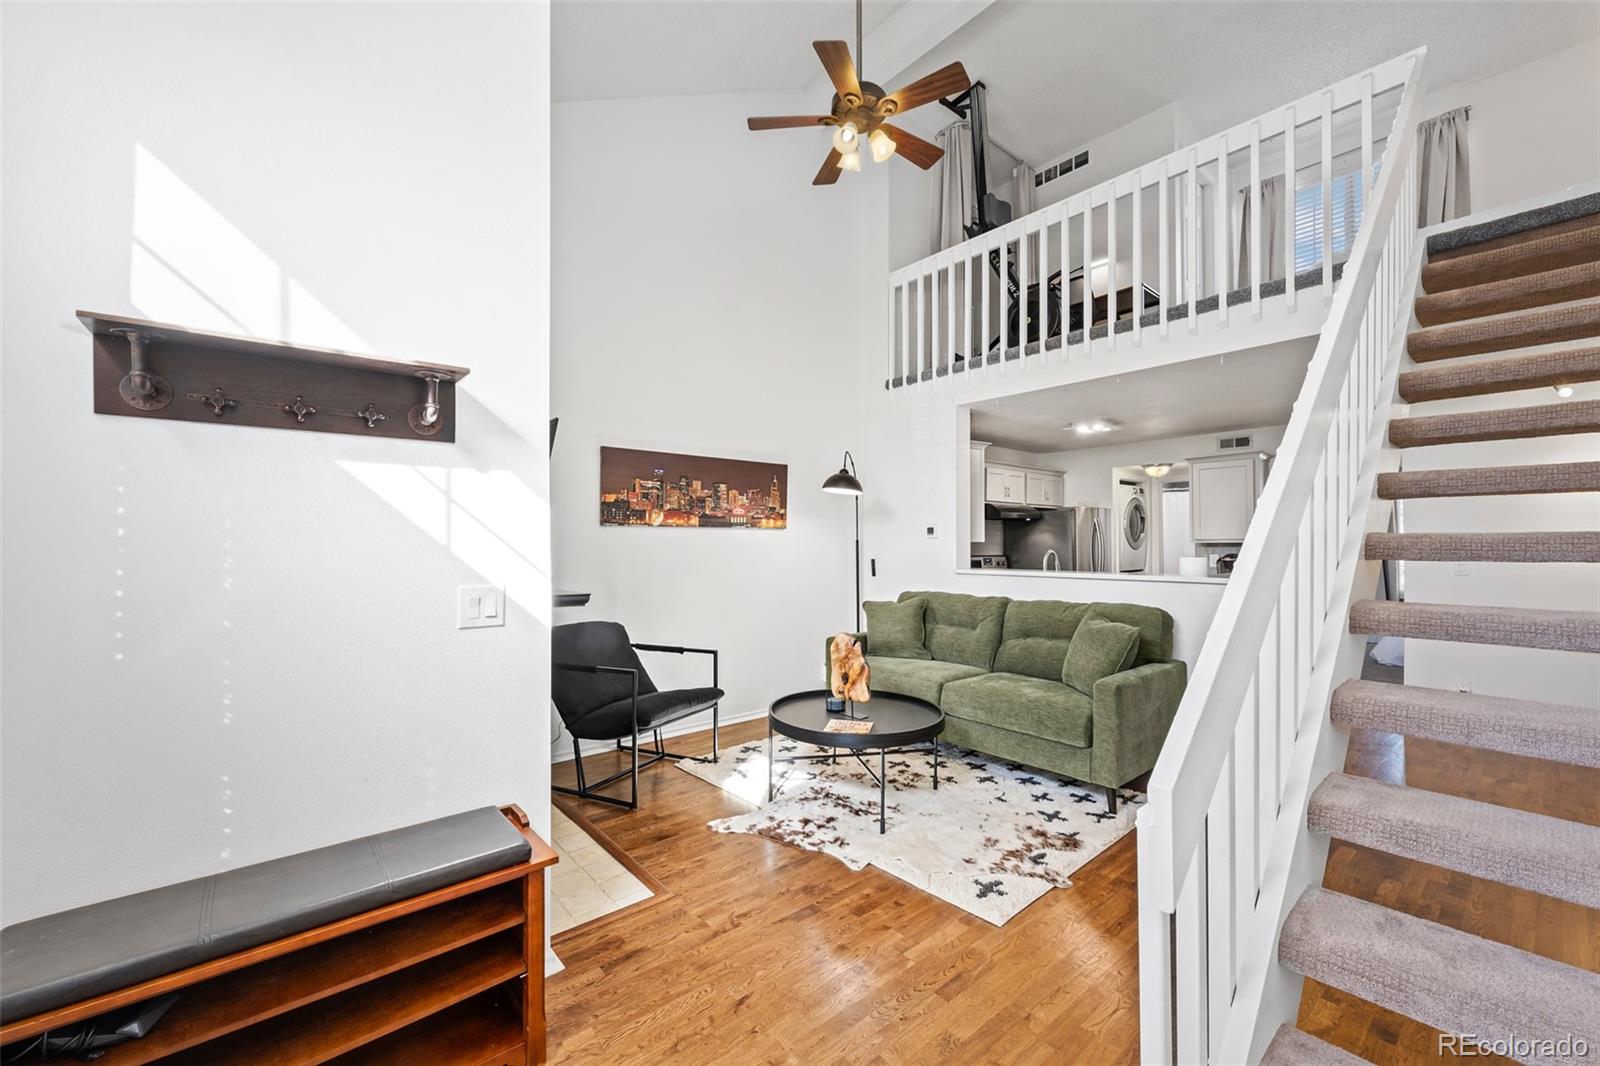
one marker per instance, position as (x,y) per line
(1443,170)
(1271,208)
(956,200)
(1022,193)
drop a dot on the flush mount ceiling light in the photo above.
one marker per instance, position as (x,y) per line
(860,111)
(1093,425)
(1157,469)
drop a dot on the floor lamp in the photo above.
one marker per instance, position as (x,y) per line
(844,483)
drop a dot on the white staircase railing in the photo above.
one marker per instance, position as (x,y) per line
(1222,844)
(1176,245)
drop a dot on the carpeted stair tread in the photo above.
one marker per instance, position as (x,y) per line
(1576,282)
(1444,381)
(1509,423)
(1533,252)
(1548,855)
(1554,731)
(1295,1047)
(1512,627)
(1441,977)
(1526,480)
(1566,546)
(1513,329)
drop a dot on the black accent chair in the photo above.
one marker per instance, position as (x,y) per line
(602,692)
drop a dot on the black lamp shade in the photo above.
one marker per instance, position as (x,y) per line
(843,483)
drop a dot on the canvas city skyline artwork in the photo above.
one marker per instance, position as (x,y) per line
(676,490)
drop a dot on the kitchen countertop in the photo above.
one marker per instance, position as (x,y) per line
(1092,575)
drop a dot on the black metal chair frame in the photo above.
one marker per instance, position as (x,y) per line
(591,792)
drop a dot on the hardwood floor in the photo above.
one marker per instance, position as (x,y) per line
(1563,931)
(764,953)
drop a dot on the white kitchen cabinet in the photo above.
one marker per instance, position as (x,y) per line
(1004,486)
(976,491)
(1042,489)
(1222,496)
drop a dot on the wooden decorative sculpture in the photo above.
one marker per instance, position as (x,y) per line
(848,671)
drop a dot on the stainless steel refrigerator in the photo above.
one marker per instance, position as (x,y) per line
(1080,537)
(1092,547)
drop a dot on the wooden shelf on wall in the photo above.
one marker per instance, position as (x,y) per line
(145,369)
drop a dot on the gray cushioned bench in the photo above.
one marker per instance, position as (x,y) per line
(61,958)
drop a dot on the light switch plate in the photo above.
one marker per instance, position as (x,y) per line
(480,606)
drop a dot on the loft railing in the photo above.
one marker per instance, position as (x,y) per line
(1222,844)
(1180,254)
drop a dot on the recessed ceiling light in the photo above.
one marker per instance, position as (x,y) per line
(1563,391)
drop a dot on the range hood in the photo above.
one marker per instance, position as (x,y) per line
(1017,512)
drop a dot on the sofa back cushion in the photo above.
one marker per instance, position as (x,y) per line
(1154,625)
(895,630)
(959,628)
(1036,636)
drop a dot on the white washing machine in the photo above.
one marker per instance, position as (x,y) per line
(1133,527)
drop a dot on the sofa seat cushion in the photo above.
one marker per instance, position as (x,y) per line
(1029,705)
(615,720)
(923,679)
(60,958)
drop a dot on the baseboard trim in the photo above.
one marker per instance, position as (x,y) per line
(699,723)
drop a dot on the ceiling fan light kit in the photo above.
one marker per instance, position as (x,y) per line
(860,111)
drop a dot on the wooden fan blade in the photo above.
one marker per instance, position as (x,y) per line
(913,148)
(946,81)
(835,56)
(830,169)
(786,122)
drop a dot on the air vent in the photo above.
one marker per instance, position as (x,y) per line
(1061,169)
(1230,443)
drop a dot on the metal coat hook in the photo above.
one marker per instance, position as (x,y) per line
(217,400)
(300,409)
(141,388)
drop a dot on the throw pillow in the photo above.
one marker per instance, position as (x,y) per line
(894,630)
(1099,649)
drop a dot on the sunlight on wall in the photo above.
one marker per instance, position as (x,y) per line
(190,265)
(466,511)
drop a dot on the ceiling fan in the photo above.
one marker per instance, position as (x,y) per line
(861,109)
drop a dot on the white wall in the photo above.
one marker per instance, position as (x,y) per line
(223,645)
(711,309)
(1534,129)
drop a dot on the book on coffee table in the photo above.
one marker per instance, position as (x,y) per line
(853,726)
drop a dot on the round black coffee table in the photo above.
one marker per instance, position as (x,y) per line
(897,721)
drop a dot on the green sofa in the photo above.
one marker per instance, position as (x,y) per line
(996,670)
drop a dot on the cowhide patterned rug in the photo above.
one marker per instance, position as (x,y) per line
(995,836)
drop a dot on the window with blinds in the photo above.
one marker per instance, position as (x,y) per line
(1344,222)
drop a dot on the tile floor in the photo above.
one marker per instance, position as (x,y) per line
(587,883)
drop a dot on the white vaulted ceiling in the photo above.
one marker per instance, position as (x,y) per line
(604,49)
(1059,73)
